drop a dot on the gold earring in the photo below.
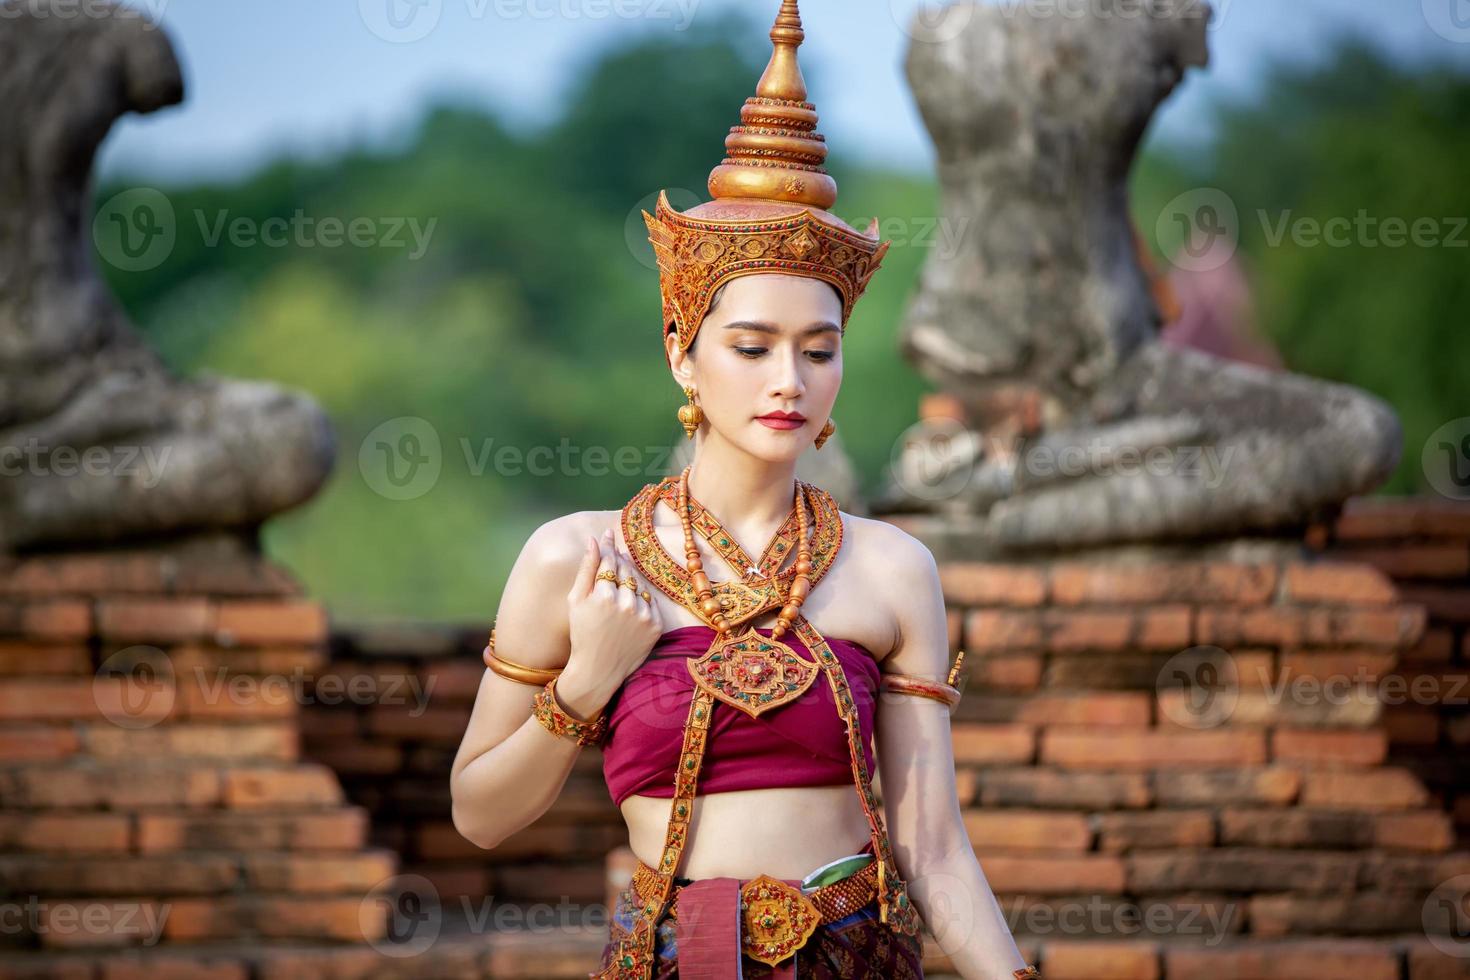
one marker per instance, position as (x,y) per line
(825,434)
(690,415)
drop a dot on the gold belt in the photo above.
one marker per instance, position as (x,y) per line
(777,918)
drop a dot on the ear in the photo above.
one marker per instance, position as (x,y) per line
(681,365)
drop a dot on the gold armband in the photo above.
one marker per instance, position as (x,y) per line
(945,692)
(1028,973)
(518,672)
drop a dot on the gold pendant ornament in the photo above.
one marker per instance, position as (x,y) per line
(777,918)
(752,672)
(825,434)
(690,415)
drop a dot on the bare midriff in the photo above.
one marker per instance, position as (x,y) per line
(784,832)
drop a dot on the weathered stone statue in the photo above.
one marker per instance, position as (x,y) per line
(98,440)
(1080,427)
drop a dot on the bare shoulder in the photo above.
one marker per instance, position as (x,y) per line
(531,622)
(899,550)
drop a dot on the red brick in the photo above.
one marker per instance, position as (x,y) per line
(980,584)
(1004,671)
(1356,958)
(272,917)
(1329,748)
(1035,787)
(1027,830)
(1295,827)
(117,875)
(302,785)
(1364,520)
(1445,604)
(954,624)
(1044,874)
(288,661)
(65,833)
(30,743)
(1354,707)
(1376,789)
(442,723)
(1101,960)
(317,873)
(86,574)
(232,696)
(1281,915)
(1426,962)
(114,787)
(1099,630)
(357,758)
(1121,832)
(50,699)
(1337,665)
(246,622)
(459,680)
(20,657)
(1284,626)
(1242,869)
(1436,646)
(989,744)
(101,923)
(154,620)
(300,830)
(47,619)
(1429,830)
(1411,724)
(276,741)
(1338,583)
(1272,786)
(1111,584)
(1087,748)
(1450,560)
(1109,708)
(1002,629)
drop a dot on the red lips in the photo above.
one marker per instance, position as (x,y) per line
(782,420)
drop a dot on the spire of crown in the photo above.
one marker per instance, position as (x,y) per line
(776,153)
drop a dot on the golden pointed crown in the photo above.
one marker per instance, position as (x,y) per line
(769,212)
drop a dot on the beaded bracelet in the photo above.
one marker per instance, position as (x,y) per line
(558,722)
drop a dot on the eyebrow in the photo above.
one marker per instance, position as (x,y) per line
(762,326)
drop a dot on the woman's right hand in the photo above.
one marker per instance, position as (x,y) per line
(612,629)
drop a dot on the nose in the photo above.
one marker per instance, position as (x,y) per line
(786,381)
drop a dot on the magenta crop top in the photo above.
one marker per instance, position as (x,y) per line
(803,743)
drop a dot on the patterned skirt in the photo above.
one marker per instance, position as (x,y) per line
(855,947)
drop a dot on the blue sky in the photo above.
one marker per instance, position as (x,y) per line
(265,77)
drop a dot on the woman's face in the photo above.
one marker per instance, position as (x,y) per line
(772,344)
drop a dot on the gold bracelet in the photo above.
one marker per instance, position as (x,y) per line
(558,722)
(517,672)
(1028,973)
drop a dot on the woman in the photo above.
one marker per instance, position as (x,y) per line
(739,741)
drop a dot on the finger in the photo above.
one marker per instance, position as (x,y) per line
(626,596)
(605,562)
(582,581)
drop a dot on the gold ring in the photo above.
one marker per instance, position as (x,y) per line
(630,583)
(607,574)
(645,596)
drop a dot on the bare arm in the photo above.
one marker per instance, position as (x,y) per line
(509,770)
(920,802)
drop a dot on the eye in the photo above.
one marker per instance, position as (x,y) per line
(751,351)
(822,355)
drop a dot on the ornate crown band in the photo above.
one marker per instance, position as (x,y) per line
(769,212)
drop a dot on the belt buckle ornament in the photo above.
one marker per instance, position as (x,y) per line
(777,919)
(752,672)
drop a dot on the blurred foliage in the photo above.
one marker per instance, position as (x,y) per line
(531,317)
(1365,143)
